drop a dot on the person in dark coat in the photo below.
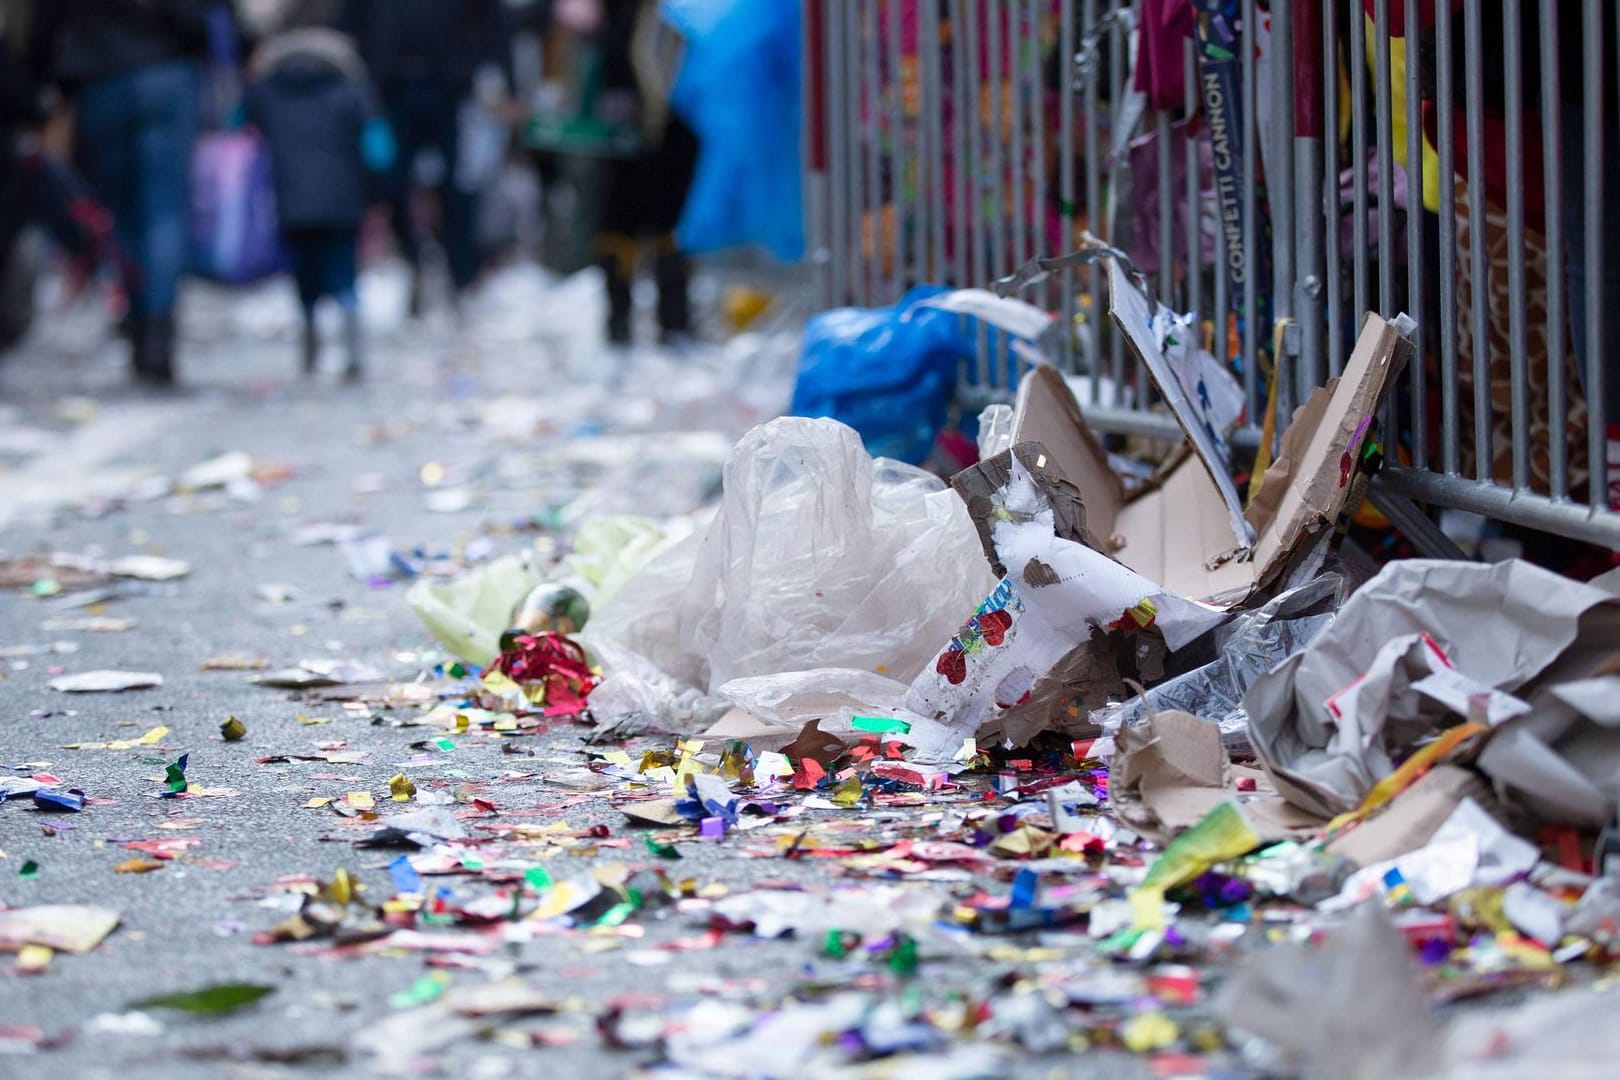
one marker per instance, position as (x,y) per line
(311,100)
(424,56)
(645,193)
(133,71)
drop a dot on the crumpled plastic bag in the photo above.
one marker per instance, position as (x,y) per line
(835,696)
(468,614)
(819,557)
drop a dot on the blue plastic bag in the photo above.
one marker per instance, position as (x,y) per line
(889,373)
(739,89)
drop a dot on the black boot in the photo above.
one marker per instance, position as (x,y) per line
(312,345)
(154,350)
(672,273)
(618,268)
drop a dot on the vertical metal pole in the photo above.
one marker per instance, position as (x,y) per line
(1037,157)
(1066,179)
(1251,185)
(1334,280)
(854,146)
(837,159)
(933,106)
(998,165)
(1386,165)
(1358,159)
(1099,304)
(1518,332)
(980,273)
(1195,178)
(1415,270)
(1473,25)
(1282,233)
(1597,118)
(962,100)
(1552,148)
(1017,41)
(1450,433)
(900,181)
(1091,117)
(878,290)
(1310,221)
(814,147)
(1167,208)
(917,142)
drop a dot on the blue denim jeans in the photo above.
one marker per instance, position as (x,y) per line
(426,116)
(135,134)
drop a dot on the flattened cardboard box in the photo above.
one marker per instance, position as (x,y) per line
(1179,533)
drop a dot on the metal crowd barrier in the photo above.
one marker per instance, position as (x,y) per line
(952,141)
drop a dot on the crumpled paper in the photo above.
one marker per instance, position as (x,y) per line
(1328,721)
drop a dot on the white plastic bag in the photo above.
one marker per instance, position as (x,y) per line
(819,557)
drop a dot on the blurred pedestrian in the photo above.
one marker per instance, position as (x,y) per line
(645,193)
(132,69)
(424,57)
(310,98)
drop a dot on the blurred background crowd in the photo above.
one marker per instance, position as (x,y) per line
(232,140)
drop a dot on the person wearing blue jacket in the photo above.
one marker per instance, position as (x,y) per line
(310,98)
(133,70)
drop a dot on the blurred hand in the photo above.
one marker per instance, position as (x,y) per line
(579,16)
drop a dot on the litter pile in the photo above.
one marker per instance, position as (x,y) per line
(855,766)
(1160,753)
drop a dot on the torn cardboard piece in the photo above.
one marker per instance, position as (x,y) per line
(1171,770)
(1327,722)
(1412,818)
(1179,533)
(982,488)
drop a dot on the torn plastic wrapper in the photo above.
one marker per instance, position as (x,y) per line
(1510,626)
(835,696)
(1249,646)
